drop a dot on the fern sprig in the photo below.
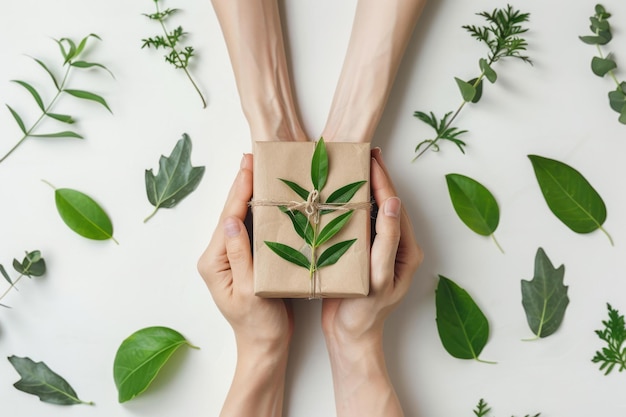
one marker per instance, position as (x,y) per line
(614,334)
(482,410)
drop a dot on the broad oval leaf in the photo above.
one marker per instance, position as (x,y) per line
(474,204)
(333,227)
(86,95)
(545,297)
(569,195)
(32,265)
(479,90)
(462,326)
(467,90)
(319,166)
(490,74)
(601,66)
(331,255)
(141,356)
(33,92)
(37,379)
(304,194)
(617,99)
(289,254)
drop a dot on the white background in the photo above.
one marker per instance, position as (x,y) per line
(95,294)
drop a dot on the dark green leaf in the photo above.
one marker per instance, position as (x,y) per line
(594,40)
(5,275)
(140,358)
(331,255)
(490,74)
(345,193)
(176,178)
(84,64)
(622,116)
(545,297)
(304,194)
(18,119)
(300,224)
(479,91)
(54,80)
(61,117)
(600,66)
(33,92)
(86,95)
(289,254)
(70,52)
(64,134)
(617,100)
(83,43)
(569,195)
(32,265)
(462,326)
(614,334)
(467,90)
(333,227)
(319,166)
(37,379)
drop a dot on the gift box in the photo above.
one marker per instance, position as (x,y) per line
(311,219)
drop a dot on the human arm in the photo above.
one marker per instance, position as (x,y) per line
(353,328)
(253,35)
(380,33)
(262,327)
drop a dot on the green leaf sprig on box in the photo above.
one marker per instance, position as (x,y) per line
(570,196)
(33,265)
(475,205)
(602,64)
(502,38)
(141,356)
(72,59)
(37,379)
(176,178)
(178,57)
(545,297)
(614,334)
(308,228)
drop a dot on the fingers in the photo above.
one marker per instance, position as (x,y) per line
(237,248)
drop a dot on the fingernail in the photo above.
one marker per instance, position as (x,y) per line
(377,149)
(392,207)
(242,165)
(231,228)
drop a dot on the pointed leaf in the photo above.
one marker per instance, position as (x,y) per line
(86,95)
(54,79)
(331,255)
(5,275)
(462,326)
(71,52)
(33,92)
(64,134)
(478,94)
(289,254)
(304,194)
(61,117)
(345,193)
(545,297)
(18,119)
(37,379)
(300,224)
(467,90)
(83,43)
(85,64)
(474,204)
(490,74)
(176,178)
(319,166)
(333,227)
(569,195)
(601,66)
(617,100)
(141,356)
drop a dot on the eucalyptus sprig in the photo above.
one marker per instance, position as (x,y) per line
(602,65)
(614,334)
(72,58)
(178,56)
(502,36)
(33,265)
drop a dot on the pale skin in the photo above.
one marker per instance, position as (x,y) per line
(353,328)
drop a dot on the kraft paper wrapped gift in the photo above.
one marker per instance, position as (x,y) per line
(276,277)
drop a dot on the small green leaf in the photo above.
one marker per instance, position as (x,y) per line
(37,379)
(490,74)
(545,297)
(622,116)
(141,356)
(467,90)
(479,91)
(18,119)
(85,64)
(289,254)
(83,43)
(33,92)
(601,66)
(61,117)
(333,227)
(300,224)
(617,99)
(86,95)
(54,79)
(345,193)
(462,326)
(64,134)
(304,194)
(331,255)
(5,275)
(32,265)
(319,166)
(595,40)
(569,195)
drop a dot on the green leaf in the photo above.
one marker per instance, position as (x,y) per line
(479,91)
(64,118)
(176,178)
(83,43)
(622,116)
(32,265)
(490,74)
(85,64)
(467,90)
(37,379)
(86,95)
(64,134)
(33,92)
(617,99)
(141,356)
(83,215)
(569,195)
(304,194)
(300,224)
(601,66)
(462,326)
(333,227)
(54,79)
(18,119)
(345,193)
(545,297)
(331,255)
(289,254)
(5,275)
(614,334)
(601,39)
(319,166)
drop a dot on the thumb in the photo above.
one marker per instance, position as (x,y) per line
(237,248)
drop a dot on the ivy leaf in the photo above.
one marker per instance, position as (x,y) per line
(462,326)
(474,205)
(176,178)
(141,356)
(467,90)
(304,194)
(601,66)
(319,166)
(570,196)
(331,255)
(33,264)
(37,379)
(545,297)
(86,95)
(289,254)
(333,227)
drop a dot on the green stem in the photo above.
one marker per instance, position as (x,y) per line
(611,73)
(13,284)
(484,361)
(607,235)
(493,237)
(151,215)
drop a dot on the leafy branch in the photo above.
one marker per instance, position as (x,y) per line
(602,65)
(33,265)
(72,58)
(614,334)
(502,36)
(179,57)
(482,410)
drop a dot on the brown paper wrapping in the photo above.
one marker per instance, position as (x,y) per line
(276,277)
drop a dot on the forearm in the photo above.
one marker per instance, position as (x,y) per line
(380,33)
(253,35)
